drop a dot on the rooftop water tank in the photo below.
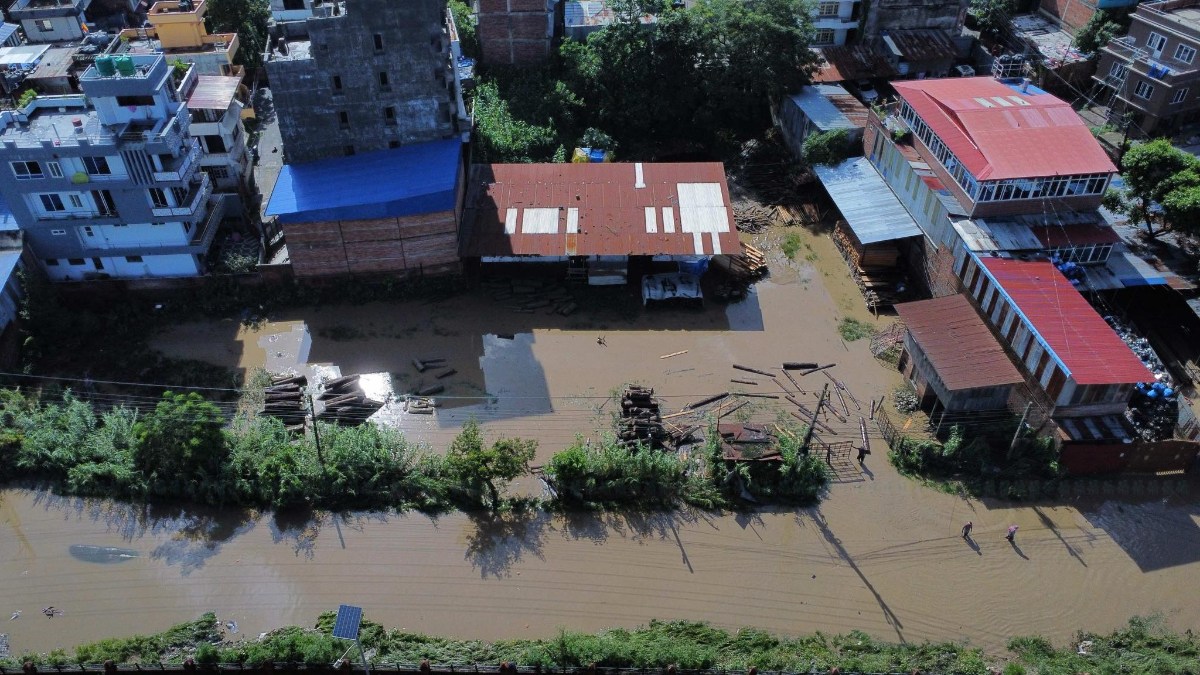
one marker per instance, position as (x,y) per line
(105,66)
(125,66)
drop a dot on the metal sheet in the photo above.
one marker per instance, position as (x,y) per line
(868,205)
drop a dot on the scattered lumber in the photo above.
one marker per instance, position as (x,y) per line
(641,419)
(679,353)
(756,371)
(743,381)
(798,365)
(706,401)
(810,371)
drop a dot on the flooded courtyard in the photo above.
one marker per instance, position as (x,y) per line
(881,553)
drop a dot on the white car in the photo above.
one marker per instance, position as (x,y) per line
(867,91)
(672,286)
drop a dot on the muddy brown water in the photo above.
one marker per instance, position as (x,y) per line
(881,553)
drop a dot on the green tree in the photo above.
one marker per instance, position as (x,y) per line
(1102,27)
(828,147)
(181,450)
(504,138)
(479,467)
(464,21)
(1152,170)
(992,16)
(247,18)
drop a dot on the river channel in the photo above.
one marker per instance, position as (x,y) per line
(881,553)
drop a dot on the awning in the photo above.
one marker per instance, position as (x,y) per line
(867,204)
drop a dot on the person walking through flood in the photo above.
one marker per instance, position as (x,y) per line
(1012,533)
(966,531)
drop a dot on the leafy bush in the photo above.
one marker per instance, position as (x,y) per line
(607,473)
(852,329)
(828,147)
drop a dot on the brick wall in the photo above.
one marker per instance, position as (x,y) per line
(425,243)
(514,32)
(1073,14)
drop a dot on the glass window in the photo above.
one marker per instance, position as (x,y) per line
(1179,96)
(1118,71)
(76,261)
(1143,90)
(158,198)
(823,36)
(96,166)
(133,258)
(1156,43)
(1185,53)
(27,170)
(76,201)
(44,25)
(52,203)
(55,169)
(827,9)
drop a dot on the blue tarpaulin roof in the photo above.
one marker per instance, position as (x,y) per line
(421,178)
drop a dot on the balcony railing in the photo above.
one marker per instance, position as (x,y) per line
(1126,47)
(86,214)
(185,165)
(194,200)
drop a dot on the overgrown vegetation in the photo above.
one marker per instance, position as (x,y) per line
(697,81)
(852,329)
(1161,179)
(991,17)
(1101,28)
(791,244)
(247,18)
(1143,646)
(827,147)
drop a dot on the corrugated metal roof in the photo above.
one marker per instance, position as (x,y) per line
(24,56)
(56,63)
(1079,339)
(958,344)
(420,178)
(598,209)
(921,44)
(1075,234)
(998,132)
(867,204)
(7,30)
(826,105)
(213,92)
(845,63)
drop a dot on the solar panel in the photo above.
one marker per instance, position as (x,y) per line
(345,626)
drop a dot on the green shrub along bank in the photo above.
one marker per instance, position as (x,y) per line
(188,448)
(1143,646)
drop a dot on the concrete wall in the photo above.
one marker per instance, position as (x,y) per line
(415,58)
(516,32)
(62,28)
(883,15)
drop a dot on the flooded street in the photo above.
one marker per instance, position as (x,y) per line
(881,553)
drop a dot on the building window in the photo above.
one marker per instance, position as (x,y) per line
(96,166)
(389,115)
(827,9)
(158,198)
(378,42)
(383,80)
(1118,71)
(347,150)
(76,201)
(55,169)
(76,261)
(105,204)
(337,84)
(51,262)
(218,172)
(52,203)
(1179,96)
(214,144)
(1185,53)
(823,36)
(44,25)
(344,119)
(1156,43)
(135,101)
(58,233)
(293,5)
(133,258)
(27,170)
(1143,90)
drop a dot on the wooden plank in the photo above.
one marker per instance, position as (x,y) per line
(667,356)
(748,369)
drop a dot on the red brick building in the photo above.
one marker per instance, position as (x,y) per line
(516,32)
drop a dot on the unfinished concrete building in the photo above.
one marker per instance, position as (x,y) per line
(367,75)
(516,32)
(884,15)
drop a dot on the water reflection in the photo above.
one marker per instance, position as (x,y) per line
(103,555)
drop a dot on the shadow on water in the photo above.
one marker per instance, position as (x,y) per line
(836,544)
(103,555)
(497,541)
(1049,525)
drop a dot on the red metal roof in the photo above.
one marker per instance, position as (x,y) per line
(213,92)
(1080,234)
(958,344)
(598,209)
(1087,347)
(998,132)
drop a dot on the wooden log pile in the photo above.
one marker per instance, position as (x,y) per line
(873,268)
(747,266)
(641,419)
(527,296)
(345,403)
(284,399)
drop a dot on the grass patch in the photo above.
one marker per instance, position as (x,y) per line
(852,329)
(791,244)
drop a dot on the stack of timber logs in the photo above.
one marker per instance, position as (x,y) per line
(641,419)
(873,267)
(284,399)
(345,402)
(751,264)
(528,296)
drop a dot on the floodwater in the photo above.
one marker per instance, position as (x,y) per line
(881,553)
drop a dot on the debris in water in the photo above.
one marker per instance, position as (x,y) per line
(232,626)
(16,615)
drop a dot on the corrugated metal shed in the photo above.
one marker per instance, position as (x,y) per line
(598,209)
(867,204)
(1081,341)
(999,132)
(921,44)
(213,92)
(414,179)
(958,344)
(830,107)
(845,63)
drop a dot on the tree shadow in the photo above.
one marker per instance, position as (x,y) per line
(497,541)
(298,528)
(836,544)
